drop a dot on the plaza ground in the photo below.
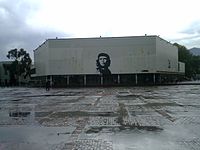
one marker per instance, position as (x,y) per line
(117,118)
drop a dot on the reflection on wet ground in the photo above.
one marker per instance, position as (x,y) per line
(19,114)
(139,118)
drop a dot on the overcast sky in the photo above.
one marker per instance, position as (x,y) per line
(28,23)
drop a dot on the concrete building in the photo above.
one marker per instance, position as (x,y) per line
(135,60)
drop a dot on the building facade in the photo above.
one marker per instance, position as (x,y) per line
(135,60)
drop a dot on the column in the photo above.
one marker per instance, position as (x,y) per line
(101,80)
(160,78)
(154,78)
(51,81)
(85,80)
(136,79)
(67,80)
(118,79)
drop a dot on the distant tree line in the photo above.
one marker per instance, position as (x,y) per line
(192,62)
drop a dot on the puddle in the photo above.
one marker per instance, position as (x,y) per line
(147,128)
(115,129)
(81,114)
(19,114)
(161,104)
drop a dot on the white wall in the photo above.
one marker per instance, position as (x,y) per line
(41,60)
(78,56)
(166,56)
(127,54)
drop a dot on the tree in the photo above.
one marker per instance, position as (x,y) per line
(21,64)
(196,64)
(192,63)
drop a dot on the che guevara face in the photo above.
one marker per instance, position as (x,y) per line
(103,60)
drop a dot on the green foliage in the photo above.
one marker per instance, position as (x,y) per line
(192,63)
(21,64)
(196,64)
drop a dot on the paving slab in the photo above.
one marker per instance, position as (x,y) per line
(114,118)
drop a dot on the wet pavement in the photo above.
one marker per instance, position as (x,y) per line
(119,118)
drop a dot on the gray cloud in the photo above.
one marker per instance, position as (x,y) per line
(194,28)
(15,33)
(192,36)
(189,42)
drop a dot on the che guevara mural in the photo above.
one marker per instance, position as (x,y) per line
(103,63)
